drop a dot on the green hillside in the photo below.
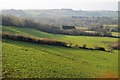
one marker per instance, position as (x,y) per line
(79,40)
(27,60)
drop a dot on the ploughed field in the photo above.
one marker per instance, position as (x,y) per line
(29,60)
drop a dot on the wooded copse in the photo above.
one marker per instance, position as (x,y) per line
(29,23)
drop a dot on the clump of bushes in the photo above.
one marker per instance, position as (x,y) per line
(84,46)
(99,48)
(68,45)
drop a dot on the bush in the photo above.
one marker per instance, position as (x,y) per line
(84,46)
(99,48)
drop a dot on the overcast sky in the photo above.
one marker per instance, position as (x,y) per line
(58,4)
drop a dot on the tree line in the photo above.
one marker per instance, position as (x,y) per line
(29,23)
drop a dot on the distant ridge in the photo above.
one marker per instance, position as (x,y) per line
(60,12)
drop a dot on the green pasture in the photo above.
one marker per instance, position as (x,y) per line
(27,60)
(90,41)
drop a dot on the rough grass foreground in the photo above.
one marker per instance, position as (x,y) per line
(46,41)
(29,60)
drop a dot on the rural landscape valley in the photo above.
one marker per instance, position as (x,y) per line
(59,43)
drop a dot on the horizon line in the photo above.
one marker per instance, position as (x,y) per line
(58,9)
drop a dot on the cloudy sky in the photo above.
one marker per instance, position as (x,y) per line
(58,4)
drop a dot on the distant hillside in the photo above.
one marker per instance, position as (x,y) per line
(13,12)
(60,12)
(58,17)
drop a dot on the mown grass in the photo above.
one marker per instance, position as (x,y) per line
(79,40)
(27,60)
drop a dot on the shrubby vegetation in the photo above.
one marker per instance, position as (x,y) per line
(20,37)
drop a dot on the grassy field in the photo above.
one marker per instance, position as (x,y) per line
(115,34)
(79,40)
(111,25)
(27,60)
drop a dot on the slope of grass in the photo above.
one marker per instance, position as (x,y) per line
(80,40)
(27,60)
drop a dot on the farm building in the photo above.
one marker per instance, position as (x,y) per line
(68,27)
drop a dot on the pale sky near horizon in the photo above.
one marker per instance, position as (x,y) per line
(111,5)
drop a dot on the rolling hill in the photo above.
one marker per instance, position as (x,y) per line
(28,60)
(75,40)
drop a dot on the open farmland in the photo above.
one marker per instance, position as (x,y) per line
(79,40)
(27,60)
(57,40)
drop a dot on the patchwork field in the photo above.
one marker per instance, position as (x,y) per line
(28,60)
